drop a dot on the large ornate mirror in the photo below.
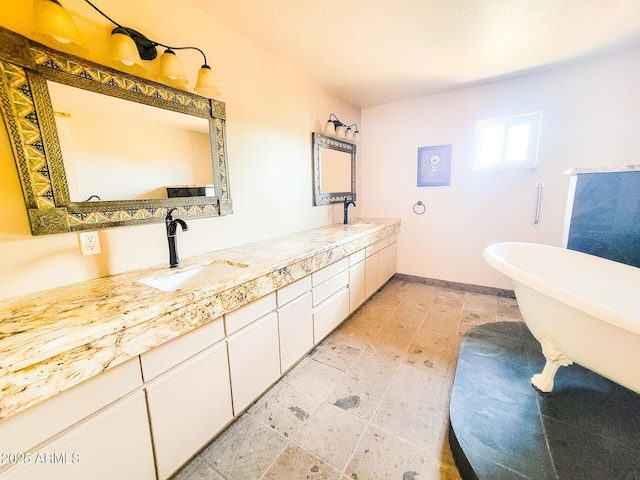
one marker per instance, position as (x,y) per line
(96,147)
(334,167)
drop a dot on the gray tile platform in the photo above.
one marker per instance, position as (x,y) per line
(502,428)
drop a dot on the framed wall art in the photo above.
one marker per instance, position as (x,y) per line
(434,166)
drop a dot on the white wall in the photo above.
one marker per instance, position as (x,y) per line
(271,111)
(591,113)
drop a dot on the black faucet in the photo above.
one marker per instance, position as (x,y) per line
(172,225)
(347,202)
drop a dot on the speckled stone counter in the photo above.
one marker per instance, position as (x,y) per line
(55,339)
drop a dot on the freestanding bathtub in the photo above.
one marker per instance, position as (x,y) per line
(581,308)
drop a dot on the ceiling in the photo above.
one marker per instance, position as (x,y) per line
(371,52)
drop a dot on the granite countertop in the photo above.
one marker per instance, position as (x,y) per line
(54,339)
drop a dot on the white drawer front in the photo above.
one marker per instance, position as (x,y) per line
(160,359)
(329,287)
(242,317)
(329,271)
(26,429)
(376,247)
(293,290)
(357,257)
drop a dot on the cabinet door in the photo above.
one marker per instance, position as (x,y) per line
(188,406)
(356,285)
(254,360)
(392,258)
(383,266)
(371,275)
(295,322)
(113,444)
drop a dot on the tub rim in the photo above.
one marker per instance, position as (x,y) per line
(492,254)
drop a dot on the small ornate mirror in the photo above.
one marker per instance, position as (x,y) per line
(334,167)
(68,187)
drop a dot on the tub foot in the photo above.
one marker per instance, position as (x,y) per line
(543,381)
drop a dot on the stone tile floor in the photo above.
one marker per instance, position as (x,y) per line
(370,402)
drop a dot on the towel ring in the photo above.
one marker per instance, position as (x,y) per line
(416,208)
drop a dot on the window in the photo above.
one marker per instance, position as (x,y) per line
(507,142)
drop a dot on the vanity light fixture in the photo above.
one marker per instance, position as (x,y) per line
(128,46)
(52,20)
(335,128)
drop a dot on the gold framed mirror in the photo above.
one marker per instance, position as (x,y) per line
(334,170)
(26,67)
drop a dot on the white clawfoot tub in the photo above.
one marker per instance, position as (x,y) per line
(581,308)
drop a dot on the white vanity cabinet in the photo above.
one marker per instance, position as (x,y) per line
(114,443)
(35,425)
(330,294)
(190,402)
(100,419)
(295,322)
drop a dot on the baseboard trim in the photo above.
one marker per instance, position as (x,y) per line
(467,287)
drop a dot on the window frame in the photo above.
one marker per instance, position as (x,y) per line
(532,119)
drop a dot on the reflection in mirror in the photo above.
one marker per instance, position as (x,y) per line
(120,150)
(334,165)
(335,171)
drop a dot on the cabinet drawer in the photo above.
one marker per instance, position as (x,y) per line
(254,361)
(166,356)
(329,315)
(357,257)
(242,317)
(293,290)
(376,247)
(329,287)
(329,271)
(26,429)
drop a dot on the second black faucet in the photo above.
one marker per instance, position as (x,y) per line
(347,202)
(172,225)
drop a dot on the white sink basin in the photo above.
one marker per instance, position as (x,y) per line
(211,272)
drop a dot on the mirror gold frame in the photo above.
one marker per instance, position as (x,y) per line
(25,67)
(321,143)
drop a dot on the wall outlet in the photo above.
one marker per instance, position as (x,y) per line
(89,243)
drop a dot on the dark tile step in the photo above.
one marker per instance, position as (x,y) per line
(502,428)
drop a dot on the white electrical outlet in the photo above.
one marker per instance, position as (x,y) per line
(89,243)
